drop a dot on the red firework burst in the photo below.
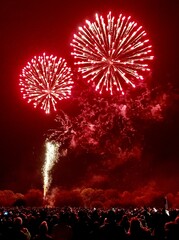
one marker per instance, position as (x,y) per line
(112,53)
(45,80)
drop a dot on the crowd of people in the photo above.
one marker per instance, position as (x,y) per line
(88,224)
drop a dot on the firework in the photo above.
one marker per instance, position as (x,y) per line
(45,80)
(51,157)
(112,53)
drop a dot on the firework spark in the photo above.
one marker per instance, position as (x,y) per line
(112,54)
(51,157)
(45,80)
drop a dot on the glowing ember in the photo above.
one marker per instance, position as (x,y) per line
(112,53)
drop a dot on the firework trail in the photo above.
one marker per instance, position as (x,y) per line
(112,53)
(46,80)
(51,157)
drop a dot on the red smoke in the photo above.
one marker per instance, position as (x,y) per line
(34,198)
(148,195)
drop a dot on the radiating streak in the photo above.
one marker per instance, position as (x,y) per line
(46,80)
(112,53)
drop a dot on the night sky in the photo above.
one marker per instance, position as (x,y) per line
(31,27)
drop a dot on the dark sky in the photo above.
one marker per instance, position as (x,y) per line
(31,27)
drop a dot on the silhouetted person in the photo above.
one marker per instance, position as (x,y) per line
(125,223)
(110,230)
(159,219)
(62,230)
(81,228)
(172,230)
(18,232)
(137,232)
(43,232)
